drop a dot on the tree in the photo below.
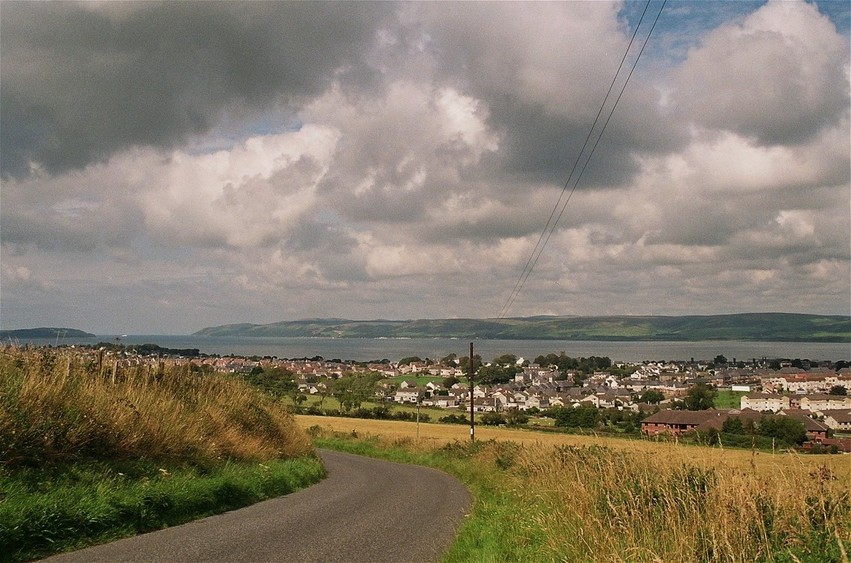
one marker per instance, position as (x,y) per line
(838,390)
(652,396)
(505,360)
(450,381)
(451,359)
(352,390)
(733,425)
(495,374)
(277,382)
(786,429)
(577,417)
(515,417)
(464,363)
(699,398)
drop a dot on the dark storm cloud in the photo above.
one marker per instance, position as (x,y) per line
(80,83)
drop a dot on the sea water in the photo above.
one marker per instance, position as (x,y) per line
(367,349)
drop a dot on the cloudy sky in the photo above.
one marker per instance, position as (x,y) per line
(171,166)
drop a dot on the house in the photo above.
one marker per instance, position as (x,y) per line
(764,402)
(501,398)
(838,419)
(408,394)
(537,401)
(607,400)
(678,422)
(841,444)
(484,404)
(441,401)
(821,402)
(802,382)
(481,391)
(842,379)
(435,387)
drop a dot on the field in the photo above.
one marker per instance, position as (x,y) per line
(728,399)
(436,435)
(556,497)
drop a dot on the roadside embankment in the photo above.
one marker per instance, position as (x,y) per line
(89,454)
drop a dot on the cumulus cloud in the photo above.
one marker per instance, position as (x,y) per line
(258,162)
(779,76)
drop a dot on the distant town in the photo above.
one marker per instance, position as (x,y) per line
(743,400)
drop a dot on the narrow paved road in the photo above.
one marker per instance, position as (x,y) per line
(365,510)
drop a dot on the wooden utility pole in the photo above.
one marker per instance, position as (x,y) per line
(472,400)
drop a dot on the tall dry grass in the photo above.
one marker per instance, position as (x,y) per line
(607,505)
(602,499)
(57,406)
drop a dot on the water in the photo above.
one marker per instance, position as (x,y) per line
(366,349)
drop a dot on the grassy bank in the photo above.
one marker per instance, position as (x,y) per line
(69,507)
(596,499)
(88,454)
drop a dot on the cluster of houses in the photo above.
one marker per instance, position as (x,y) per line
(805,397)
(533,389)
(808,393)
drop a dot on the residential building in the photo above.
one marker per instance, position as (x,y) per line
(764,402)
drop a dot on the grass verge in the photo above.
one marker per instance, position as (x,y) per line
(536,502)
(91,453)
(62,509)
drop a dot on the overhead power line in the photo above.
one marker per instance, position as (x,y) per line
(558,209)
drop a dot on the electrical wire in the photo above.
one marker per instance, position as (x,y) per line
(554,217)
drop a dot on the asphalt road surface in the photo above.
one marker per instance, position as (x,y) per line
(365,510)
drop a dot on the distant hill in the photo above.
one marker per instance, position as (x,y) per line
(44,332)
(745,326)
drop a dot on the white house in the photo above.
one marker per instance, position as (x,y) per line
(761,402)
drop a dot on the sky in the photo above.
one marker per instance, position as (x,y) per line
(171,166)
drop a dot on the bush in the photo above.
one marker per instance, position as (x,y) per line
(578,417)
(454,419)
(492,419)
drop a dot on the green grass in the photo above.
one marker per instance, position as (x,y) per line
(332,404)
(65,508)
(728,399)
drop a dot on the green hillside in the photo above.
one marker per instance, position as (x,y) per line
(44,332)
(745,326)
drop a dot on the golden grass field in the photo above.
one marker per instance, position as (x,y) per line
(439,434)
(561,497)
